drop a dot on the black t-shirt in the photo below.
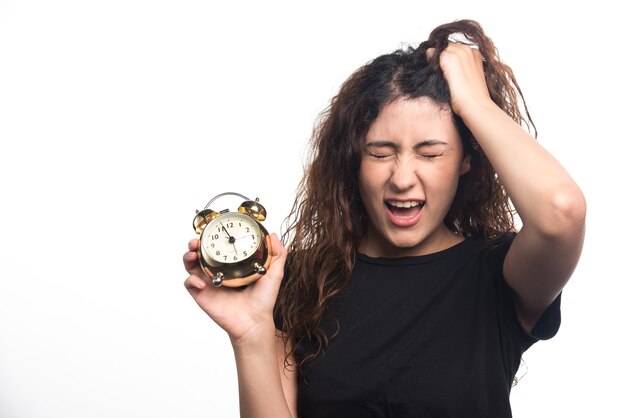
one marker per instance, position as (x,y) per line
(428,336)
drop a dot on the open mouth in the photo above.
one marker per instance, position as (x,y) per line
(404,209)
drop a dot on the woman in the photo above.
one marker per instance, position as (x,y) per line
(409,292)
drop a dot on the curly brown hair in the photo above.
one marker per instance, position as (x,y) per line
(328,221)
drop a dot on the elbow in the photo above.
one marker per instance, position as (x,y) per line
(565,215)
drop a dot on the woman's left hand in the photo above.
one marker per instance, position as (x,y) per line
(462,66)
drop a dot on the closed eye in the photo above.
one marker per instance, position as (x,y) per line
(378,155)
(431,156)
(381,149)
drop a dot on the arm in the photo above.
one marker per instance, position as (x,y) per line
(247,316)
(544,254)
(266,388)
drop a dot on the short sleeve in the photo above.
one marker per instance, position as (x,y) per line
(548,324)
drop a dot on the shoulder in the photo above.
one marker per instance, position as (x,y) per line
(500,244)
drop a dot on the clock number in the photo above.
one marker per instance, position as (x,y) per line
(235,258)
(247,229)
(214,237)
(230,225)
(245,253)
(217,252)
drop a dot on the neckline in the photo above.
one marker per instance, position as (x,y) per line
(415,259)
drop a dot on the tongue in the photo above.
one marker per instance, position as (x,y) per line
(404,212)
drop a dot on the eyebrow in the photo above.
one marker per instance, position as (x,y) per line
(424,143)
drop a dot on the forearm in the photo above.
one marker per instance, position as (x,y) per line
(545,196)
(260,389)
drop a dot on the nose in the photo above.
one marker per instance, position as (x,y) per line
(404,176)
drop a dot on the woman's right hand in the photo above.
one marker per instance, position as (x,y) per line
(243,313)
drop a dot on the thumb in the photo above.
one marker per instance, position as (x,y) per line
(275,271)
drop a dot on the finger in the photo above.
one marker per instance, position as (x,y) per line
(276,269)
(478,56)
(193,244)
(190,261)
(194,284)
(278,254)
(463,50)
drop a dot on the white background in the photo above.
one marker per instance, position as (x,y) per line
(119,118)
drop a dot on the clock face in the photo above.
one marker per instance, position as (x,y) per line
(231,238)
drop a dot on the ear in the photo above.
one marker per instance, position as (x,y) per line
(466,164)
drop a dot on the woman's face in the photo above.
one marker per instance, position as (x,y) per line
(411,164)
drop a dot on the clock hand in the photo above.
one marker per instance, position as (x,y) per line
(231,239)
(244,237)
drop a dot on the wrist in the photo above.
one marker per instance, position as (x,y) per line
(479,113)
(473,108)
(256,338)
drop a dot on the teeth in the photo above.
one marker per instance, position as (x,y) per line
(407,204)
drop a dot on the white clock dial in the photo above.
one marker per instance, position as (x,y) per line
(231,238)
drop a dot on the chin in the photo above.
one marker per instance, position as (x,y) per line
(402,244)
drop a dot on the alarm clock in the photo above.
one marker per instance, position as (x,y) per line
(235,249)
